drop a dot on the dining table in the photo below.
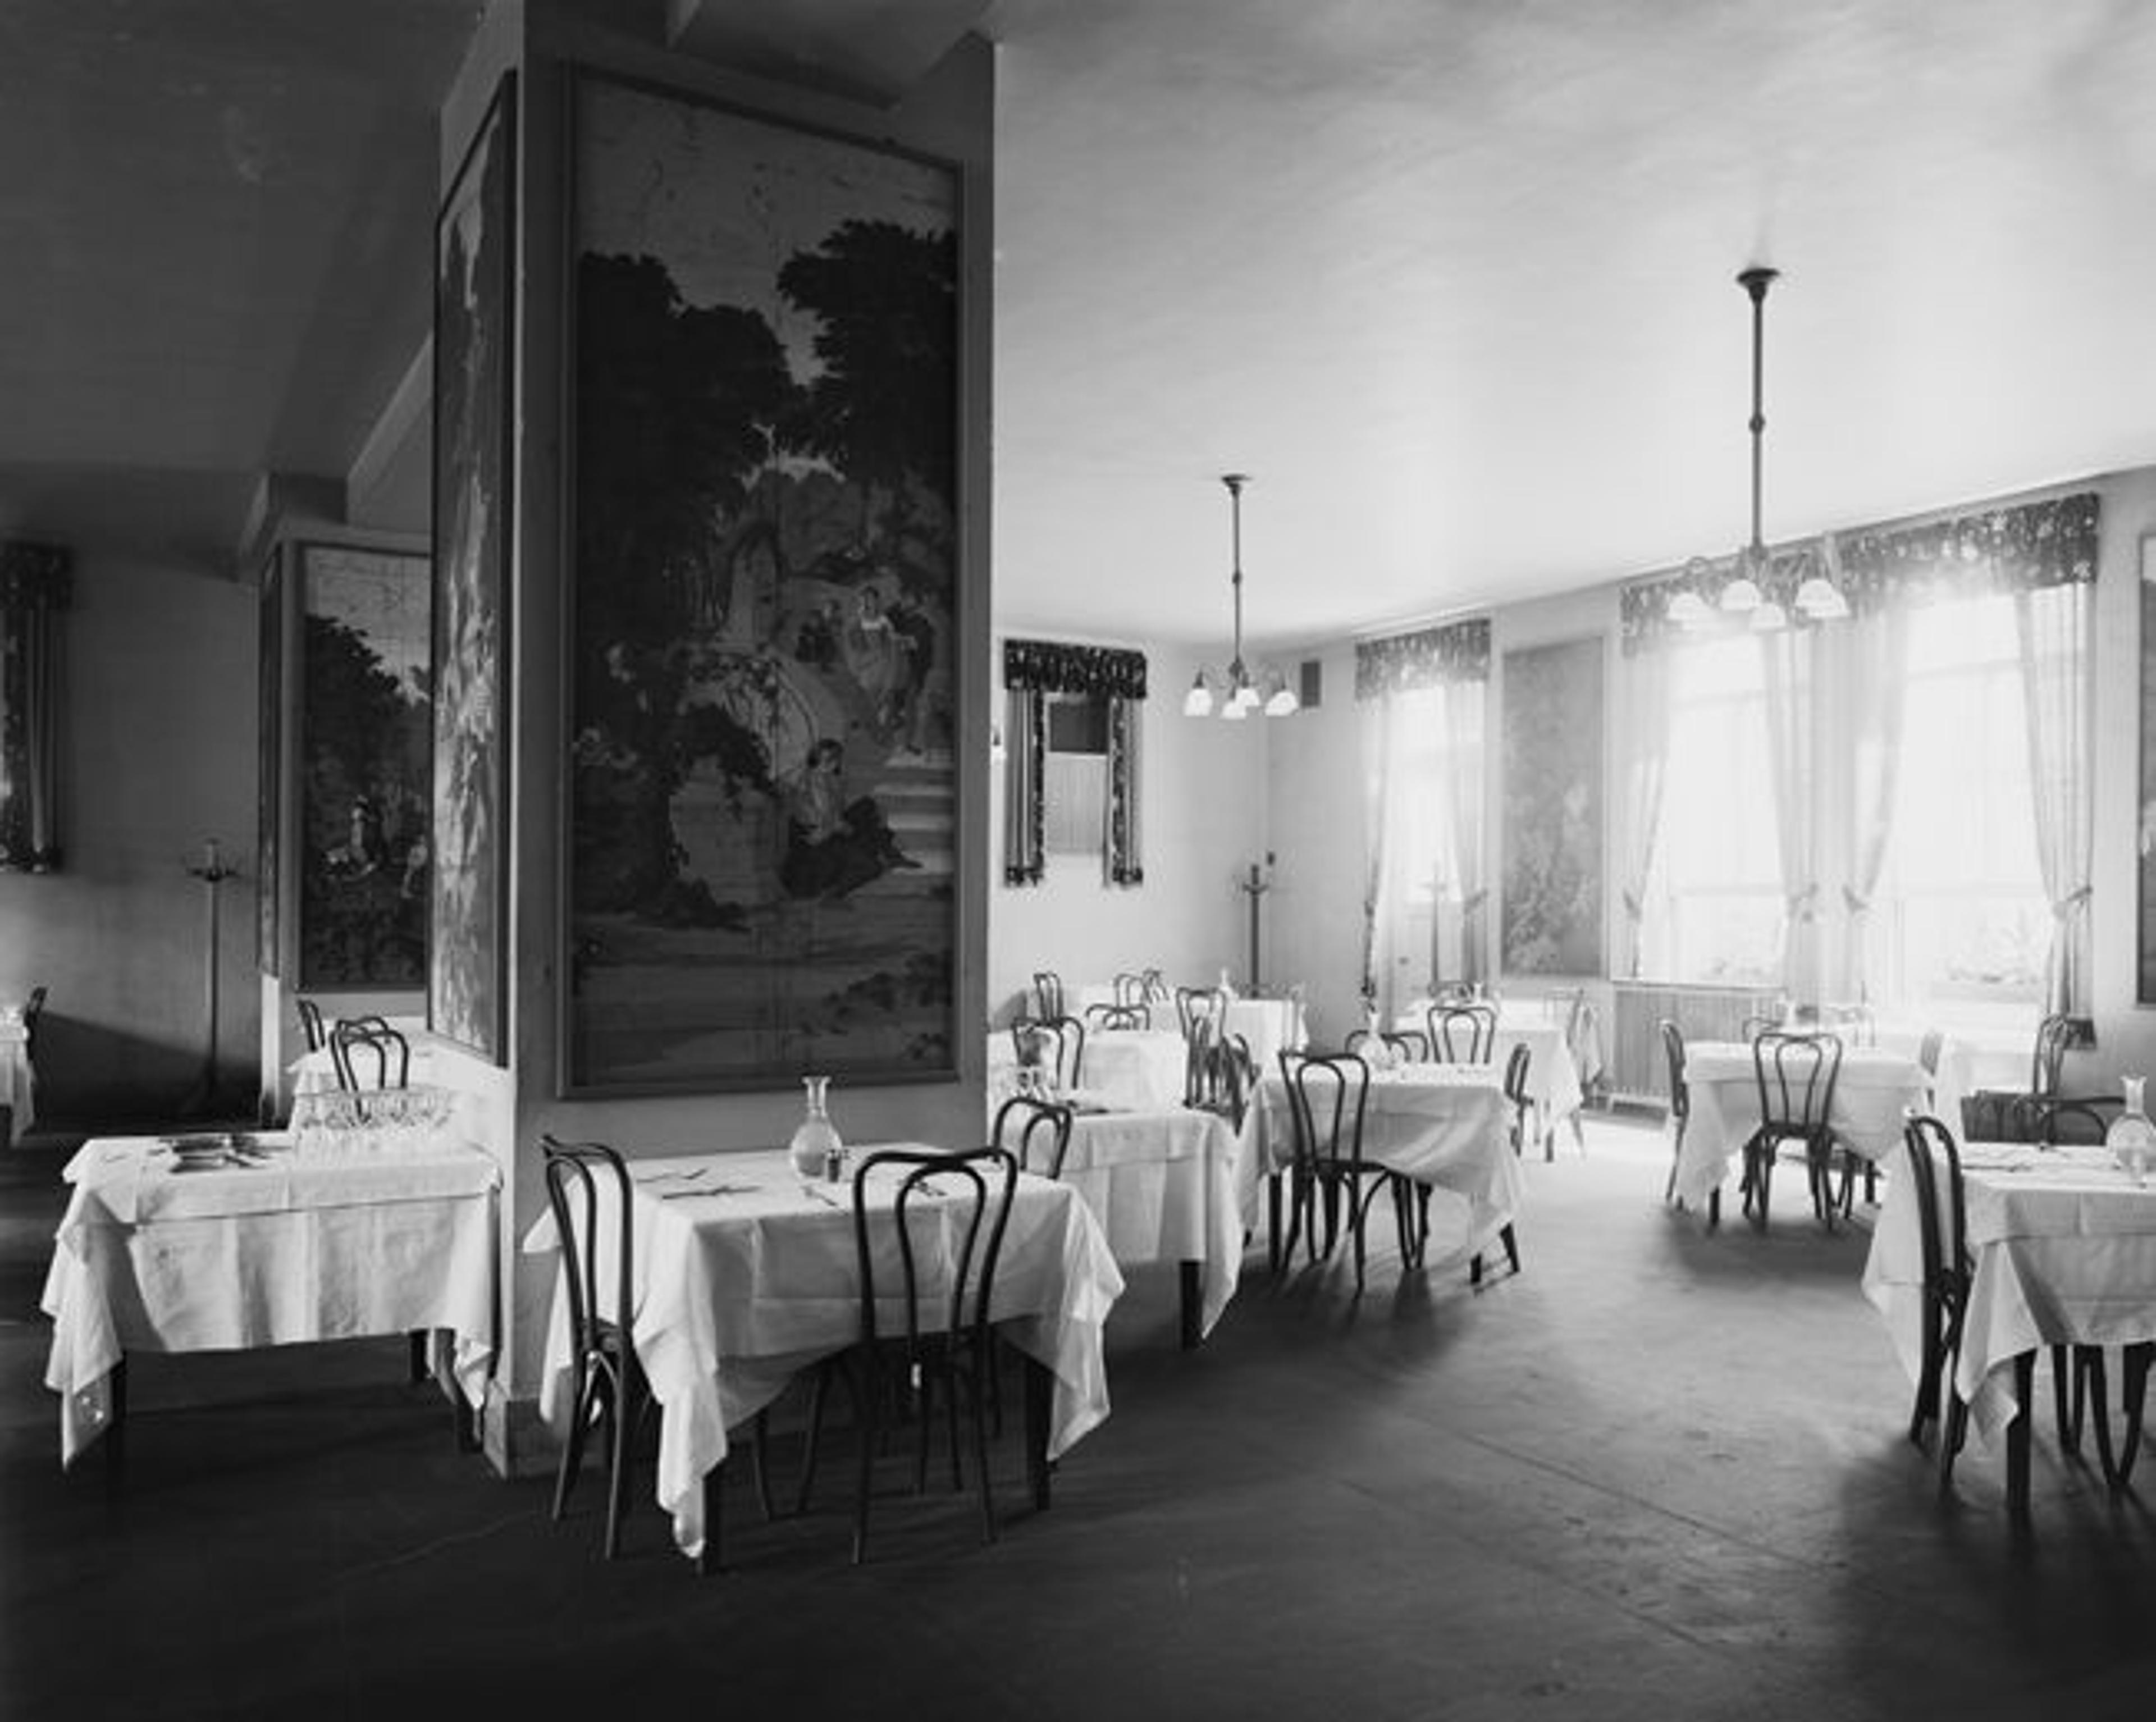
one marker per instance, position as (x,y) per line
(216,1241)
(1553,1074)
(745,1274)
(1130,1069)
(1164,1184)
(2062,1244)
(1872,1093)
(1268,1024)
(18,1080)
(1446,1127)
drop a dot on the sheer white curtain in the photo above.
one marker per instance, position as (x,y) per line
(1461,713)
(1791,768)
(1863,665)
(2054,624)
(1379,893)
(1643,758)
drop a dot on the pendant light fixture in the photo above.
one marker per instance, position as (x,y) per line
(1238,693)
(1745,593)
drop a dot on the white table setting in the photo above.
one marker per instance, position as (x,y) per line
(1872,1091)
(745,1275)
(1131,1070)
(226,1241)
(1444,1126)
(2063,1241)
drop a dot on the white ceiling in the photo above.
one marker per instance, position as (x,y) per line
(1453,281)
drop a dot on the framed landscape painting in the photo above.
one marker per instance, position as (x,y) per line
(364,732)
(270,763)
(474,258)
(1552,728)
(764,501)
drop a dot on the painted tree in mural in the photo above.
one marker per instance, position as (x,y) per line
(674,419)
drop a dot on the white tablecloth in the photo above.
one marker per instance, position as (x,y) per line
(312,1073)
(1874,1089)
(1552,1075)
(1131,1070)
(300,1248)
(1268,1025)
(19,1083)
(2065,1249)
(1967,1063)
(1447,1126)
(744,1276)
(1164,1186)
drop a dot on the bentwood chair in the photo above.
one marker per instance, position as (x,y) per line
(1409,1046)
(1048,994)
(1053,1046)
(369,1047)
(949,1212)
(1226,1073)
(590,1195)
(1328,1096)
(1795,1074)
(1118,1016)
(1034,1131)
(1934,1167)
(312,1025)
(1523,1102)
(1462,1033)
(1673,1057)
(33,1007)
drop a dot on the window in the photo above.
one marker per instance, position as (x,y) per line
(1431,761)
(1714,904)
(1075,785)
(1960,919)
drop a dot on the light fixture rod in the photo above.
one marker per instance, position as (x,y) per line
(1755,281)
(1234,482)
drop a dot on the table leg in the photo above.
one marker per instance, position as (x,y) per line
(1194,1304)
(420,1339)
(115,1430)
(2017,1438)
(1039,1390)
(707,1560)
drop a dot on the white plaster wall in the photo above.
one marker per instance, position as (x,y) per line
(1202,793)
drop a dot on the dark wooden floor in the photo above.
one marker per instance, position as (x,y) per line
(1659,1474)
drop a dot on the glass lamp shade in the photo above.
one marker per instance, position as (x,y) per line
(1741,596)
(1199,702)
(1232,710)
(1822,599)
(1688,609)
(1243,700)
(1283,702)
(1769,618)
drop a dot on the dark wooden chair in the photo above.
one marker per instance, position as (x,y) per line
(1409,1046)
(368,1053)
(1226,1074)
(1327,1094)
(1036,1132)
(1048,994)
(589,1193)
(1673,1057)
(33,1007)
(1795,1073)
(1934,1166)
(1054,1047)
(312,1025)
(1118,1016)
(944,1345)
(1516,1067)
(1461,1034)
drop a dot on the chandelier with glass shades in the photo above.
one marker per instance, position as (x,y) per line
(1749,592)
(1238,694)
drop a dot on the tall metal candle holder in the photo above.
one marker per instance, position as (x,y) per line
(212,871)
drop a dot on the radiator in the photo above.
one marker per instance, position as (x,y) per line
(1639,1070)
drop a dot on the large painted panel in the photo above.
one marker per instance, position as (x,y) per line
(467,981)
(1553,729)
(366,732)
(762,809)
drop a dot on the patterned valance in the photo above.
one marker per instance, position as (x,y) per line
(2031,545)
(2009,549)
(34,573)
(1046,666)
(1401,663)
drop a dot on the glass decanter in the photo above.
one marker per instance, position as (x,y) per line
(2132,1138)
(816,1150)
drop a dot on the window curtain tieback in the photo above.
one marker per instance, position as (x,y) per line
(1802,905)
